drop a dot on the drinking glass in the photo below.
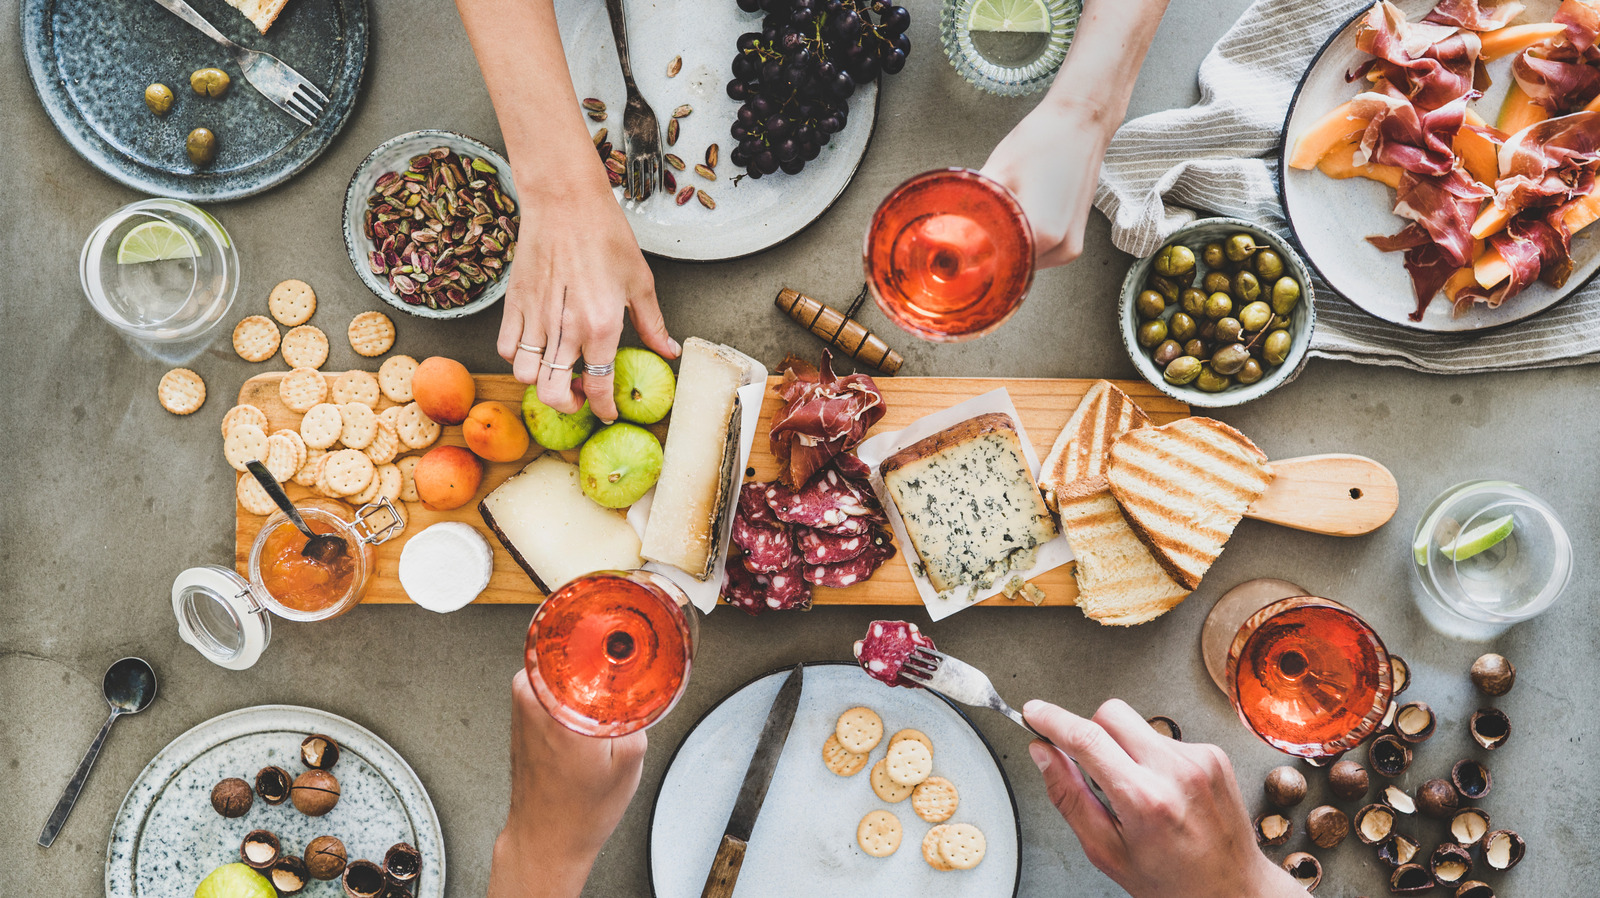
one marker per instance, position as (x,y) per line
(609,653)
(949,255)
(166,301)
(1009,62)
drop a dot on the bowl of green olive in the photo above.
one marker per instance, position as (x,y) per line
(1220,315)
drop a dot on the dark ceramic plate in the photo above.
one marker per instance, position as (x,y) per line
(90,61)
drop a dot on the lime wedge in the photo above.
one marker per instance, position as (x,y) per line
(154,241)
(1028,16)
(1419,549)
(1478,539)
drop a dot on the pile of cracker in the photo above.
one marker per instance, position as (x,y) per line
(905,771)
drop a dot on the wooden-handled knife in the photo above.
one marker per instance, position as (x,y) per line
(724,872)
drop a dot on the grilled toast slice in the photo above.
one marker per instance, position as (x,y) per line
(1183,487)
(1077,462)
(261,13)
(1119,581)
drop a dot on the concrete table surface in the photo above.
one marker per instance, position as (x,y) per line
(104,498)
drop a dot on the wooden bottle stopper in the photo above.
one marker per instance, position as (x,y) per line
(846,334)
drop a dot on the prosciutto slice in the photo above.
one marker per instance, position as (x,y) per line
(1469,15)
(1431,64)
(1535,247)
(823,416)
(1551,162)
(1400,134)
(1439,239)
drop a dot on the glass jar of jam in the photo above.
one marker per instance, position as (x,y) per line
(228,617)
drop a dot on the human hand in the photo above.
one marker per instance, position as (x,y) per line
(578,272)
(1051,162)
(568,792)
(1180,826)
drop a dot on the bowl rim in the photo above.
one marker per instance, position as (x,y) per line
(1299,349)
(496,289)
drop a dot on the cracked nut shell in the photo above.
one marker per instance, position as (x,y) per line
(1305,868)
(1399,799)
(1273,829)
(232,797)
(1469,826)
(1410,879)
(314,792)
(1387,723)
(260,849)
(1397,850)
(1490,727)
(1493,674)
(1327,826)
(272,784)
(1374,823)
(1474,889)
(325,857)
(402,862)
(1503,849)
(289,875)
(1471,779)
(1437,799)
(1166,726)
(1399,674)
(1388,755)
(364,879)
(1348,781)
(1285,786)
(1450,864)
(1415,722)
(319,752)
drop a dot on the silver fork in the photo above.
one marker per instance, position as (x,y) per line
(286,88)
(641,133)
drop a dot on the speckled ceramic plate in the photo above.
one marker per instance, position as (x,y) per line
(751,215)
(166,837)
(90,61)
(804,842)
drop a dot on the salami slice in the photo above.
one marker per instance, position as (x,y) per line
(741,589)
(857,569)
(827,501)
(887,645)
(787,589)
(821,547)
(753,505)
(766,549)
(853,526)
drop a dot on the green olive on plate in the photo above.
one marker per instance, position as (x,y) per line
(201,145)
(158,97)
(210,82)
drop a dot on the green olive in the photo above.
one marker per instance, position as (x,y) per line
(1213,255)
(1195,348)
(1150,304)
(1269,266)
(1182,370)
(202,146)
(1285,293)
(1193,301)
(1229,330)
(1175,261)
(1218,305)
(1167,287)
(1246,288)
(1279,322)
(1182,326)
(1255,316)
(210,82)
(1216,282)
(1166,352)
(1208,331)
(1239,247)
(1212,381)
(1250,373)
(159,98)
(1276,347)
(1151,333)
(1229,359)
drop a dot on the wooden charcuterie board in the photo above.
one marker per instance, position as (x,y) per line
(1043,404)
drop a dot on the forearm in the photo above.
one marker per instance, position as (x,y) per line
(526,865)
(1099,72)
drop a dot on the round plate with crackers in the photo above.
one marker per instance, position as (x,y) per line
(848,813)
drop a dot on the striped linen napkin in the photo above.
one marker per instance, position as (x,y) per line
(1226,150)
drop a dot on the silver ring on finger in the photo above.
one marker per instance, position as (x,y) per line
(536,350)
(599,370)
(553,365)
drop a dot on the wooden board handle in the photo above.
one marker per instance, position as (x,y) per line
(1336,495)
(725,866)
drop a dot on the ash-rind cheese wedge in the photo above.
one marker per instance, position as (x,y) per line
(699,467)
(969,503)
(553,530)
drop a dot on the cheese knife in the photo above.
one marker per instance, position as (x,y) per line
(769,748)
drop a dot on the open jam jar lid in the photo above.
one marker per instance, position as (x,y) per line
(220,615)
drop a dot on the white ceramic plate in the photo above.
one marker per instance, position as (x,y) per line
(1331,219)
(750,216)
(804,842)
(166,837)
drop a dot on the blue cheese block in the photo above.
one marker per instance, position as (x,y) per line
(969,503)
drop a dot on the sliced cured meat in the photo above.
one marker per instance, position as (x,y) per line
(753,505)
(741,589)
(1550,162)
(1445,207)
(882,653)
(1533,247)
(1429,63)
(824,416)
(828,500)
(819,547)
(853,468)
(856,570)
(786,590)
(1556,78)
(1470,15)
(853,526)
(1402,134)
(766,549)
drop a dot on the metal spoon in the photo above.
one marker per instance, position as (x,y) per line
(322,548)
(129,687)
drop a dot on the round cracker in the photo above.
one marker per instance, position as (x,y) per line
(385,444)
(245,443)
(244,414)
(370,494)
(909,762)
(963,846)
(371,334)
(879,833)
(930,848)
(935,799)
(347,471)
(181,391)
(389,481)
(860,729)
(302,388)
(356,386)
(322,425)
(307,475)
(253,496)
(255,338)
(394,377)
(840,760)
(300,447)
(408,478)
(283,458)
(360,425)
(417,430)
(305,347)
(292,302)
(918,735)
(887,789)
(391,416)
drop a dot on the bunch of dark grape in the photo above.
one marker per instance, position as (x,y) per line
(795,76)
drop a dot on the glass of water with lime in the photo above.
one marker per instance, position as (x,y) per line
(1008,47)
(1488,554)
(161,271)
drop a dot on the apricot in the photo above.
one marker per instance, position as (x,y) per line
(495,432)
(448,477)
(444,389)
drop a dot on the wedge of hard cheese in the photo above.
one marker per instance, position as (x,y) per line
(261,13)
(553,530)
(1076,465)
(699,467)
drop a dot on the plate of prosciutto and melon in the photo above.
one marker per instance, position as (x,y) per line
(1440,160)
